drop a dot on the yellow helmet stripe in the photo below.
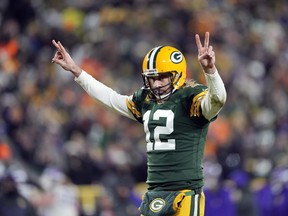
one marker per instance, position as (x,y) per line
(151,63)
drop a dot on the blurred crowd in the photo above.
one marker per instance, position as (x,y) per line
(61,153)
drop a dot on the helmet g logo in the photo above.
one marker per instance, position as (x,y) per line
(157,204)
(176,57)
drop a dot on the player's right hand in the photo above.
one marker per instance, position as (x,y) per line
(63,58)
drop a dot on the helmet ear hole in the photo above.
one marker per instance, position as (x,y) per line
(145,81)
(177,76)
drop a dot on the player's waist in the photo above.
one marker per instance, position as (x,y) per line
(174,173)
(190,185)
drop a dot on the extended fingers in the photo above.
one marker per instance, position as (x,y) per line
(206,42)
(198,42)
(56,44)
(59,46)
(60,53)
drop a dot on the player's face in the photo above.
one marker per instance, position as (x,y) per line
(161,84)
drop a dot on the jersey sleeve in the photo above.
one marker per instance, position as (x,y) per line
(207,101)
(215,99)
(134,104)
(200,91)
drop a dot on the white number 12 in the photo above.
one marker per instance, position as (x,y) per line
(167,129)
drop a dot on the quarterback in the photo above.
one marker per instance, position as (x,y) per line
(175,114)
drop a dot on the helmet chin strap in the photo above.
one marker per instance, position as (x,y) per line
(163,97)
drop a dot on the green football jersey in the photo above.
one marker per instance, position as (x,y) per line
(175,134)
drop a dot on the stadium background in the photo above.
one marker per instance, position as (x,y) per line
(68,155)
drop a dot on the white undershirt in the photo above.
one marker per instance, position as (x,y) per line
(211,103)
(216,97)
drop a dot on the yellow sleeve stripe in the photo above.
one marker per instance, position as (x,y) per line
(132,107)
(195,107)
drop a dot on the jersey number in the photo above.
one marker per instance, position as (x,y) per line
(158,130)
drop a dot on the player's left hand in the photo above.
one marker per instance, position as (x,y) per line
(206,55)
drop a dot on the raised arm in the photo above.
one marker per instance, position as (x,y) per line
(93,87)
(213,102)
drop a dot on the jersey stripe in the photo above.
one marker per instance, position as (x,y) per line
(202,204)
(196,197)
(151,63)
(132,107)
(195,107)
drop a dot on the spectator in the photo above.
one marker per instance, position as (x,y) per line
(11,201)
(40,110)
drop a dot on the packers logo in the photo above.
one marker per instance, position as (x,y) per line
(176,57)
(157,204)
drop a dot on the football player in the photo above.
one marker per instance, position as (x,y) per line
(175,114)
